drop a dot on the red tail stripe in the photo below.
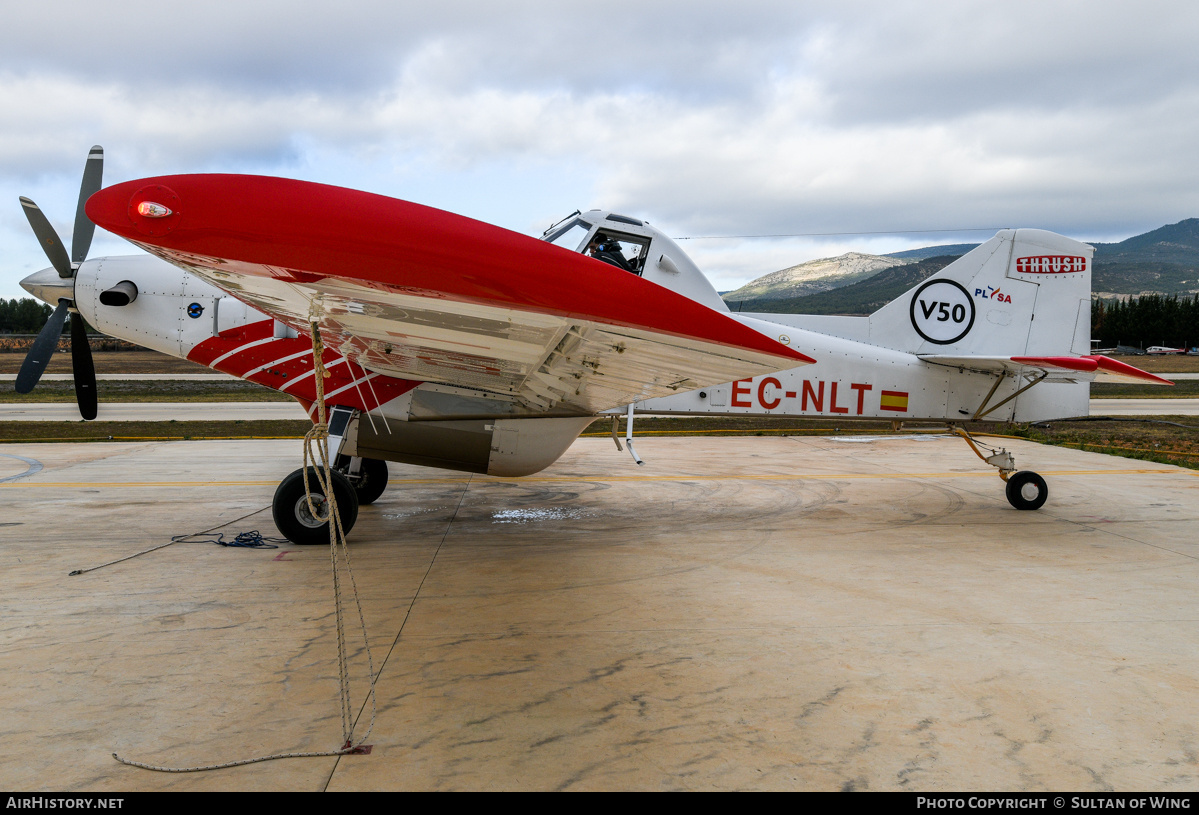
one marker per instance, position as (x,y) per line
(1116,367)
(1066,363)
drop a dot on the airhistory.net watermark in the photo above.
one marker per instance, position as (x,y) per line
(47,802)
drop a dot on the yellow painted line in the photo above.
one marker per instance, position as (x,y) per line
(1098,448)
(82,439)
(43,484)
(139,484)
(742,431)
(795,477)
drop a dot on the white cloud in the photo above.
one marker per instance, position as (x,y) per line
(775,117)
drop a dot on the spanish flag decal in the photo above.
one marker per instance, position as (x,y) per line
(894,400)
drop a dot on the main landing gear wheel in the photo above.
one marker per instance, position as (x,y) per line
(296,521)
(1026,490)
(371,480)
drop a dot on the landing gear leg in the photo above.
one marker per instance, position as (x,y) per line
(1025,489)
(303,513)
(368,476)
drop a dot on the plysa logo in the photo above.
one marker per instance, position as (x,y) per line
(992,293)
(942,311)
(1051,264)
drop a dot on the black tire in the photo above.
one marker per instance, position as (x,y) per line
(295,521)
(372,478)
(1027,490)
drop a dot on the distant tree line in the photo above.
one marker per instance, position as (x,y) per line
(1152,319)
(24,316)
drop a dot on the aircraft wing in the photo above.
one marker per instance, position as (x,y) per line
(1084,368)
(422,294)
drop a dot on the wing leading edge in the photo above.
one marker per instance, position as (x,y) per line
(421,294)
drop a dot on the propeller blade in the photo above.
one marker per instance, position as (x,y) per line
(43,348)
(83,369)
(93,174)
(48,238)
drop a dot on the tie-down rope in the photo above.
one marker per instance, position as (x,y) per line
(318,435)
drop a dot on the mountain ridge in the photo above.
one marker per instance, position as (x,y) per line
(814,276)
(1164,260)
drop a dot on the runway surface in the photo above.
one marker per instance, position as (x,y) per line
(1145,407)
(212,377)
(216,376)
(152,411)
(231,411)
(765,613)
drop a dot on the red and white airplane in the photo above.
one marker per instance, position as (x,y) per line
(456,344)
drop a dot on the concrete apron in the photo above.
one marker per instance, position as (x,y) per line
(740,613)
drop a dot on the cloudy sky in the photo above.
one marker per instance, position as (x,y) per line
(705,118)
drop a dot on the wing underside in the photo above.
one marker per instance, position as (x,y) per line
(541,362)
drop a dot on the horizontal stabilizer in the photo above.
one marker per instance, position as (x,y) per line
(1112,370)
(1085,368)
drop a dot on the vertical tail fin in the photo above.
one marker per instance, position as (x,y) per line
(1024,292)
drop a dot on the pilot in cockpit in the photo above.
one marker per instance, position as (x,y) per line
(604,247)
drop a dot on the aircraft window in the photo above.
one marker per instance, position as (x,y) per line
(569,236)
(626,252)
(624,219)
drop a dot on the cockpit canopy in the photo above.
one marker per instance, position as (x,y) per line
(635,247)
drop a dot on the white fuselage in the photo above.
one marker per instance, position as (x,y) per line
(176,311)
(924,356)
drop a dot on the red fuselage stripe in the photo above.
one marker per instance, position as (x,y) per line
(281,365)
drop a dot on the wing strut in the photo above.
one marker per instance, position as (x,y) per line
(628,436)
(983,410)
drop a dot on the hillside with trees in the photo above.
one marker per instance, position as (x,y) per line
(863,297)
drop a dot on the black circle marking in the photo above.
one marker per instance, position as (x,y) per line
(950,312)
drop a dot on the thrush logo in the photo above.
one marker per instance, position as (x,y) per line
(1051,264)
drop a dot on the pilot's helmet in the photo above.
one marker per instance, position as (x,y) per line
(606,243)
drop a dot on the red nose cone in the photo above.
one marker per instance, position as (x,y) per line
(109,209)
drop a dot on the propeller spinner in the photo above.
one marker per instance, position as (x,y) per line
(65,265)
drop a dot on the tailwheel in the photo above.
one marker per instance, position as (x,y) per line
(294,517)
(1026,490)
(369,482)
